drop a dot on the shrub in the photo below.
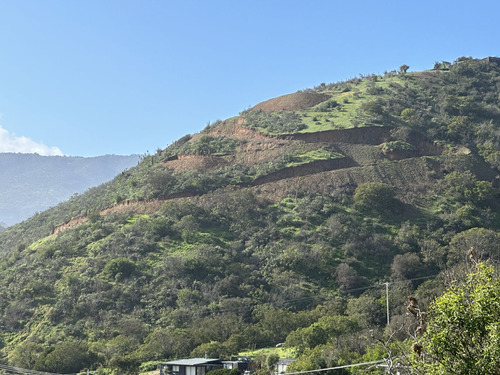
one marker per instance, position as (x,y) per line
(405,266)
(207,145)
(212,349)
(68,357)
(396,145)
(275,123)
(120,266)
(326,106)
(375,196)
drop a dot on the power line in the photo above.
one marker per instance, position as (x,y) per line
(337,367)
(393,282)
(17,370)
(292,301)
(372,286)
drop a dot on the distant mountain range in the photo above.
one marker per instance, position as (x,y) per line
(31,183)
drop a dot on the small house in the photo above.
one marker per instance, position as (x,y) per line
(191,366)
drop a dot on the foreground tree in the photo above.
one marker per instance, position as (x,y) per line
(463,329)
(67,357)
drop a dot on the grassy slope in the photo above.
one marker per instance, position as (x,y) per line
(344,114)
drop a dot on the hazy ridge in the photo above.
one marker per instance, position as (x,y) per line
(31,183)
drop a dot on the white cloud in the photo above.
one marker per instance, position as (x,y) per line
(24,145)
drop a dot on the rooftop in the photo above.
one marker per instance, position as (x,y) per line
(193,362)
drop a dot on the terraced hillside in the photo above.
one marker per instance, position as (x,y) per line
(308,155)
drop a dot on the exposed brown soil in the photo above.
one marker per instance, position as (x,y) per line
(425,73)
(70,224)
(363,162)
(195,162)
(255,148)
(305,170)
(409,176)
(292,102)
(137,207)
(235,129)
(373,135)
(321,177)
(249,153)
(256,152)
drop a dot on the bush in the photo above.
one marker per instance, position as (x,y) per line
(276,123)
(405,266)
(375,196)
(149,366)
(212,349)
(326,106)
(207,145)
(481,243)
(466,188)
(121,266)
(396,145)
(68,357)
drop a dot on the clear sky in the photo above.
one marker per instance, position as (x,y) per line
(94,77)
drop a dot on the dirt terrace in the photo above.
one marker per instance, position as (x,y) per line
(195,162)
(258,148)
(234,129)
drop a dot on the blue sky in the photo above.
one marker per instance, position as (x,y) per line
(94,77)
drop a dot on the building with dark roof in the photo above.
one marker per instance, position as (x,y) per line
(191,366)
(200,366)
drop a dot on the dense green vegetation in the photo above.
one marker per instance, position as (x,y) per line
(280,123)
(220,265)
(204,145)
(311,156)
(397,145)
(462,335)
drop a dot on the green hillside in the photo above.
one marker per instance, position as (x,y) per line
(280,225)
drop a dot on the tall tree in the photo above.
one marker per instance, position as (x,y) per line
(463,329)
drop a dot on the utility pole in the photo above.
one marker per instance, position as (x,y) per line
(387,301)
